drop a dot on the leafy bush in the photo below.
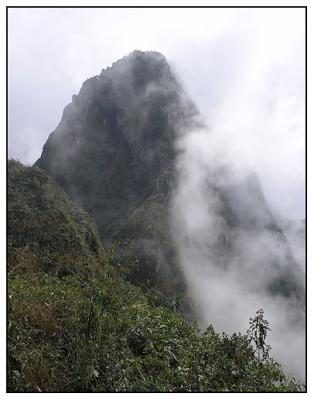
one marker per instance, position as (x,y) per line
(67,334)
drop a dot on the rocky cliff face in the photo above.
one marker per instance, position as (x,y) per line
(114,152)
(295,232)
(113,148)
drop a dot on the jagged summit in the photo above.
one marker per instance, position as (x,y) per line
(151,58)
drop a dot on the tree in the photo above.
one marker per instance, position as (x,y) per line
(257,334)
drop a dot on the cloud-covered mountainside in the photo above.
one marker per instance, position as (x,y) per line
(114,152)
(132,150)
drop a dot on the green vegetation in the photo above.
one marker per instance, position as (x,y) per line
(76,324)
(103,335)
(46,230)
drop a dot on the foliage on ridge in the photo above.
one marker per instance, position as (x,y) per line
(46,230)
(71,329)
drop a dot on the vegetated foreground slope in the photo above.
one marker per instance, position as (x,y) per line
(47,232)
(75,323)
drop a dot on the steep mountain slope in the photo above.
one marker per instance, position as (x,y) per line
(114,148)
(71,331)
(253,236)
(46,230)
(294,231)
(114,152)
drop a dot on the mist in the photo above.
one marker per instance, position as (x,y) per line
(230,267)
(244,69)
(240,66)
(251,127)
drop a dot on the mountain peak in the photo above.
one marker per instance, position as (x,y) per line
(114,145)
(148,56)
(138,55)
(150,65)
(137,74)
(114,151)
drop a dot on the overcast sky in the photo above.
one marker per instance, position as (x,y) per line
(244,68)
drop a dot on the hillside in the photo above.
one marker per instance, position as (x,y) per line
(76,325)
(46,230)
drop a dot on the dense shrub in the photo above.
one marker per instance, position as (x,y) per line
(67,334)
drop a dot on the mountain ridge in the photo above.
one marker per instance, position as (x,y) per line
(114,152)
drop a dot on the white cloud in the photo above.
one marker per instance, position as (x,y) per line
(243,68)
